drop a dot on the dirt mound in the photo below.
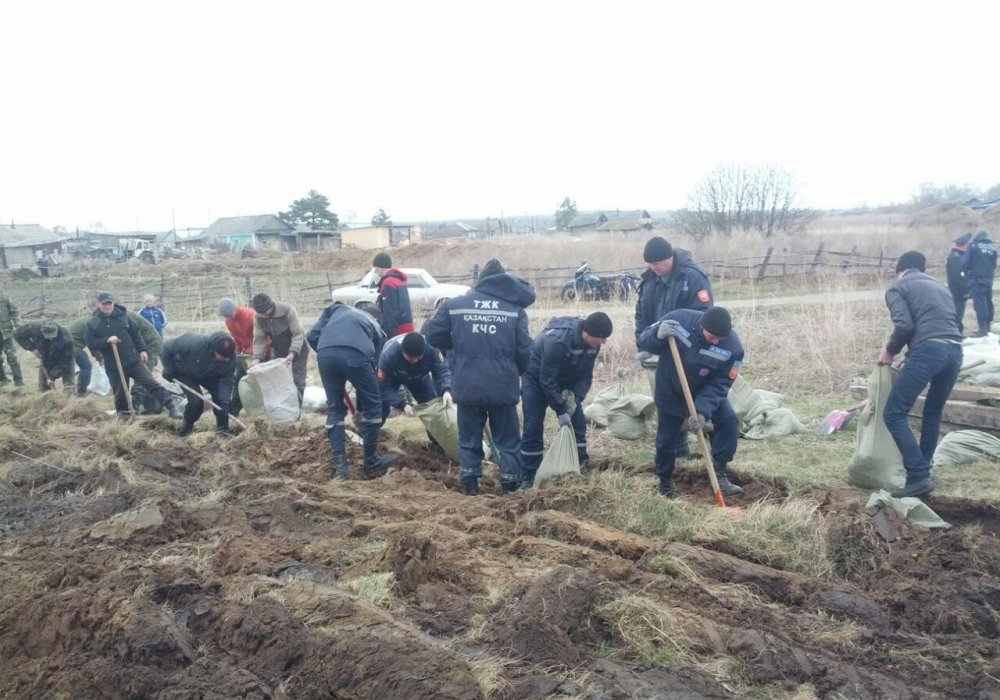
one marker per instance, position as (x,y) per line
(948,215)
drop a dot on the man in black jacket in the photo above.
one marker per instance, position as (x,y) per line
(957,284)
(52,344)
(202,362)
(923,320)
(110,328)
(487,332)
(980,264)
(562,358)
(348,342)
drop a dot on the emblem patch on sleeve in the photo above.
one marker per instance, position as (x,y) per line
(735,369)
(703,296)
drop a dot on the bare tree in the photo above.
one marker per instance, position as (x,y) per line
(761,199)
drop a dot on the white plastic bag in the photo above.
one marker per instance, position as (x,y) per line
(268,387)
(314,399)
(99,383)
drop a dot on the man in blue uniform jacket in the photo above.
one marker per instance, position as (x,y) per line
(487,332)
(409,361)
(711,354)
(562,357)
(980,264)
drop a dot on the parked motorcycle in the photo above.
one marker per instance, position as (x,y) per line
(585,286)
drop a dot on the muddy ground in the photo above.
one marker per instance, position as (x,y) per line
(165,568)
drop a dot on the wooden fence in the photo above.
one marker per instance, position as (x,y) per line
(194,297)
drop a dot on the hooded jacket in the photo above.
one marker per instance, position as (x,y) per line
(710,369)
(487,332)
(561,360)
(341,325)
(394,303)
(100,327)
(980,260)
(686,287)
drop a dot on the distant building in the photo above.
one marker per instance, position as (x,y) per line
(637,220)
(23,245)
(372,237)
(977,204)
(586,221)
(265,232)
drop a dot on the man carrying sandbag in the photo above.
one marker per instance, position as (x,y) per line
(923,319)
(562,357)
(408,361)
(711,355)
(280,323)
(487,329)
(202,361)
(348,342)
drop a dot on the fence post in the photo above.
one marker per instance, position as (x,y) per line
(850,258)
(329,287)
(163,288)
(248,287)
(817,257)
(763,265)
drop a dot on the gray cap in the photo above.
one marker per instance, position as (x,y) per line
(227,306)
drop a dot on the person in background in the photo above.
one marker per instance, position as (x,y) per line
(487,330)
(923,321)
(279,323)
(110,328)
(239,323)
(154,314)
(562,357)
(711,355)
(348,343)
(152,339)
(9,319)
(979,264)
(957,284)
(52,344)
(202,362)
(393,297)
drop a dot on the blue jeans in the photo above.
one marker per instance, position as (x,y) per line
(506,437)
(533,407)
(83,376)
(934,363)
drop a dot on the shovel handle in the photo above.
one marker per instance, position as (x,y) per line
(211,403)
(702,442)
(121,377)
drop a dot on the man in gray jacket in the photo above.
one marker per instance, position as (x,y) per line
(923,320)
(280,323)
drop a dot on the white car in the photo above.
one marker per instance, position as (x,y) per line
(426,293)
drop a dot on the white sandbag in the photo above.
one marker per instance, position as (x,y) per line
(268,387)
(314,399)
(560,458)
(99,383)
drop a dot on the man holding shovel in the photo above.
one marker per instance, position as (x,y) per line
(711,355)
(112,336)
(52,344)
(923,320)
(197,362)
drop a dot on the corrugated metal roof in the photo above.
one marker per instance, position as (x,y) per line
(29,234)
(242,225)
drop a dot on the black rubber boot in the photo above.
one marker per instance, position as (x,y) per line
(528,478)
(666,487)
(340,467)
(185,429)
(375,464)
(509,486)
(470,486)
(727,487)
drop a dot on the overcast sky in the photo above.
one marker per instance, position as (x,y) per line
(149,115)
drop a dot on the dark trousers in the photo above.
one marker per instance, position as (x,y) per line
(140,375)
(982,304)
(533,407)
(934,363)
(959,309)
(235,403)
(337,366)
(83,376)
(668,432)
(506,441)
(422,391)
(196,406)
(11,354)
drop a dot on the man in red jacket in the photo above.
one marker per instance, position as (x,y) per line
(239,323)
(393,297)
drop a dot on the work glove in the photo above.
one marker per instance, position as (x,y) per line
(446,399)
(407,410)
(643,355)
(699,422)
(564,420)
(668,328)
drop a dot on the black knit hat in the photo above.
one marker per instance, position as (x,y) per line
(717,321)
(224,345)
(492,267)
(657,249)
(911,260)
(598,325)
(413,344)
(382,260)
(963,239)
(261,303)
